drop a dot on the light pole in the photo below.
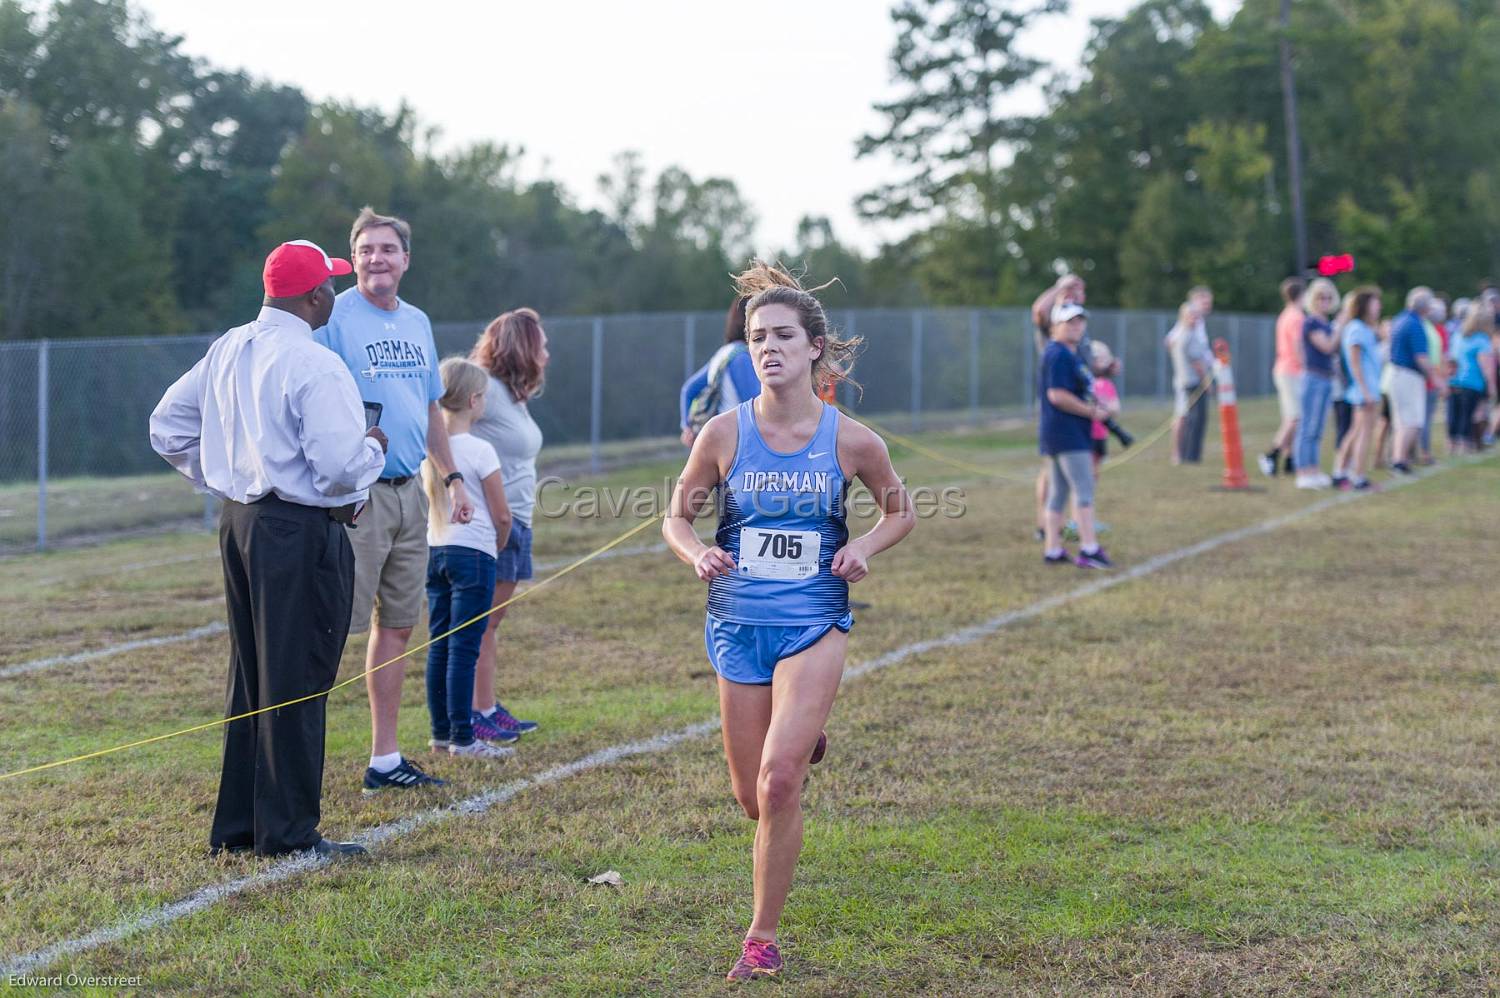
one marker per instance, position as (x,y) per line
(1293,141)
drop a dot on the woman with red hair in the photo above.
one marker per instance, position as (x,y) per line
(513,352)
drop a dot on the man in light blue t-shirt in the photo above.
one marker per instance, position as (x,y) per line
(387,344)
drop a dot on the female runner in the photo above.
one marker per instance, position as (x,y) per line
(779,572)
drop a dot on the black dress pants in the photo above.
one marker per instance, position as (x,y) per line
(289,583)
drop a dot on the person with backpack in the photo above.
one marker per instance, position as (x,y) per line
(724,382)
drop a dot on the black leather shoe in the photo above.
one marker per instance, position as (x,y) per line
(339,850)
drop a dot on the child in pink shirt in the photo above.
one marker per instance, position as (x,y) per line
(1105,367)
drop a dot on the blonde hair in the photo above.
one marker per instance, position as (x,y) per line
(1317,288)
(1480,319)
(1345,312)
(462,380)
(772,284)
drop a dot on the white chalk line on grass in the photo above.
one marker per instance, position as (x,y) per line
(285,869)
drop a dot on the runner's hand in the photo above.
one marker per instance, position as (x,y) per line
(688,436)
(850,563)
(378,435)
(714,561)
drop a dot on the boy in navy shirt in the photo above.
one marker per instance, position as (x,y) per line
(1065,432)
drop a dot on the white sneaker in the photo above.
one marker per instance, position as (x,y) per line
(1267,466)
(1324,481)
(1308,482)
(480,750)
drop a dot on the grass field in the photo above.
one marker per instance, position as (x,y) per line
(1270,768)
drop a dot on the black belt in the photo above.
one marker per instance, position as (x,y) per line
(396,482)
(338,514)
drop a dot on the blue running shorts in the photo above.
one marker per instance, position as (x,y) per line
(749,653)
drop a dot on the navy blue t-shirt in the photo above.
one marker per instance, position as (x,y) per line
(1408,341)
(1060,431)
(1316,360)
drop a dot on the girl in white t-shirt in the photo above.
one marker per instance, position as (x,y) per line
(461,565)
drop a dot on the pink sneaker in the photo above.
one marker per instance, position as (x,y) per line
(758,959)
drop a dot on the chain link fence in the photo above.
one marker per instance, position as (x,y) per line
(75,462)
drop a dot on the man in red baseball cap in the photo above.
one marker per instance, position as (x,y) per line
(272,423)
(297,267)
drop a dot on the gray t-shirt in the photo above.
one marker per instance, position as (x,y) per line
(509,428)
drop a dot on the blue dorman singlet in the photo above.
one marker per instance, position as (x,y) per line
(782,518)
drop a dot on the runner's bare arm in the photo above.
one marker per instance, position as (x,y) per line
(864,455)
(707,465)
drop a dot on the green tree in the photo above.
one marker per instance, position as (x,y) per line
(29,245)
(818,252)
(1081,172)
(346,158)
(956,61)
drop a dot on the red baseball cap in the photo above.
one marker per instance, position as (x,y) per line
(295,268)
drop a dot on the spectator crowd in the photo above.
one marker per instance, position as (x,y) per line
(1386,381)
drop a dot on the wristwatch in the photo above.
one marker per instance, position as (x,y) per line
(457,476)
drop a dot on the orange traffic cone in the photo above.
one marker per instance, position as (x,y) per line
(1229,421)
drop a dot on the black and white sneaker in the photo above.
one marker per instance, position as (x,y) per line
(1267,465)
(1403,469)
(404,776)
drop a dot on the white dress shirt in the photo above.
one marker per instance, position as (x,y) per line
(267,410)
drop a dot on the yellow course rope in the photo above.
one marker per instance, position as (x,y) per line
(1139,448)
(924,450)
(352,679)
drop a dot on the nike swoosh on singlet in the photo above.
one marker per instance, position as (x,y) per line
(813,457)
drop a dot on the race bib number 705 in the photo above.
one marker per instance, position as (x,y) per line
(779,554)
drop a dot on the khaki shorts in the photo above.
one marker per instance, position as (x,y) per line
(390,557)
(1408,394)
(1289,394)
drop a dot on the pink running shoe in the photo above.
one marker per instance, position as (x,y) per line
(759,959)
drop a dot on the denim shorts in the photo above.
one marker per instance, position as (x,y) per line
(749,653)
(513,563)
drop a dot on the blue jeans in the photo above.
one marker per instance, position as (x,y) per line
(1432,397)
(1316,389)
(460,586)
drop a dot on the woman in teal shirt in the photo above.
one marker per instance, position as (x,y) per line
(1474,379)
(1361,349)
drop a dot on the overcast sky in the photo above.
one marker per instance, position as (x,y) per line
(771,94)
